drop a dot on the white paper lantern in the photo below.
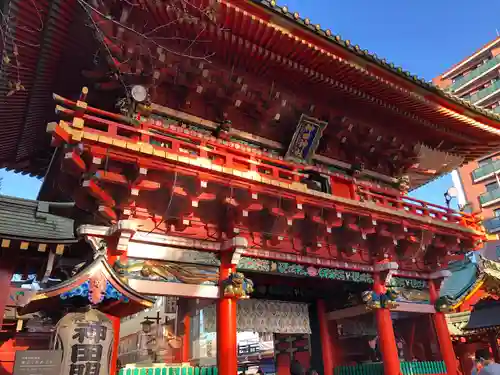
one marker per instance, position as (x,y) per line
(86,339)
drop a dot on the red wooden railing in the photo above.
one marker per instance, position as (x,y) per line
(178,140)
(418,207)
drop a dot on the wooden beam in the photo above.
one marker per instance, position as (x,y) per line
(97,192)
(160,288)
(58,133)
(348,312)
(73,163)
(358,310)
(116,178)
(108,213)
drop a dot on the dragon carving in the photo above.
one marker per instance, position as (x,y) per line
(184,273)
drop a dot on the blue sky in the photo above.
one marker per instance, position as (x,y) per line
(423,36)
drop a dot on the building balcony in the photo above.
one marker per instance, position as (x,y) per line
(490,198)
(492,225)
(479,97)
(472,76)
(486,171)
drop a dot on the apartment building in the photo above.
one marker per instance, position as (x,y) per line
(477,79)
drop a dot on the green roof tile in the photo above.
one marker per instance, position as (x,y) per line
(463,277)
(31,220)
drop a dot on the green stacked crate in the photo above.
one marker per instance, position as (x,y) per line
(407,368)
(365,369)
(423,368)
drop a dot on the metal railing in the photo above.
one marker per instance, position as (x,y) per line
(484,92)
(459,82)
(485,170)
(492,225)
(489,197)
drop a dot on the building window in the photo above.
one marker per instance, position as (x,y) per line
(496,212)
(484,162)
(491,186)
(497,249)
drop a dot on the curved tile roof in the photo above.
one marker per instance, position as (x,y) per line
(372,57)
(462,279)
(126,301)
(24,219)
(468,276)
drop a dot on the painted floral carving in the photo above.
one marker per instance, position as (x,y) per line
(311,271)
(294,269)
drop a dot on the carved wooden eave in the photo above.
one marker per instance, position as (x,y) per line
(319,61)
(474,324)
(209,184)
(164,247)
(457,323)
(71,135)
(118,298)
(432,163)
(485,285)
(242,35)
(490,274)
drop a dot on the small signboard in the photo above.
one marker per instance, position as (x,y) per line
(38,362)
(17,297)
(248,349)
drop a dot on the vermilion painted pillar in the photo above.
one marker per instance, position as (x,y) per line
(386,337)
(336,345)
(113,256)
(116,342)
(466,357)
(227,350)
(494,346)
(186,339)
(443,335)
(326,341)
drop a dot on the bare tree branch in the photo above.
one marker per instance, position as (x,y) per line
(10,65)
(146,36)
(131,31)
